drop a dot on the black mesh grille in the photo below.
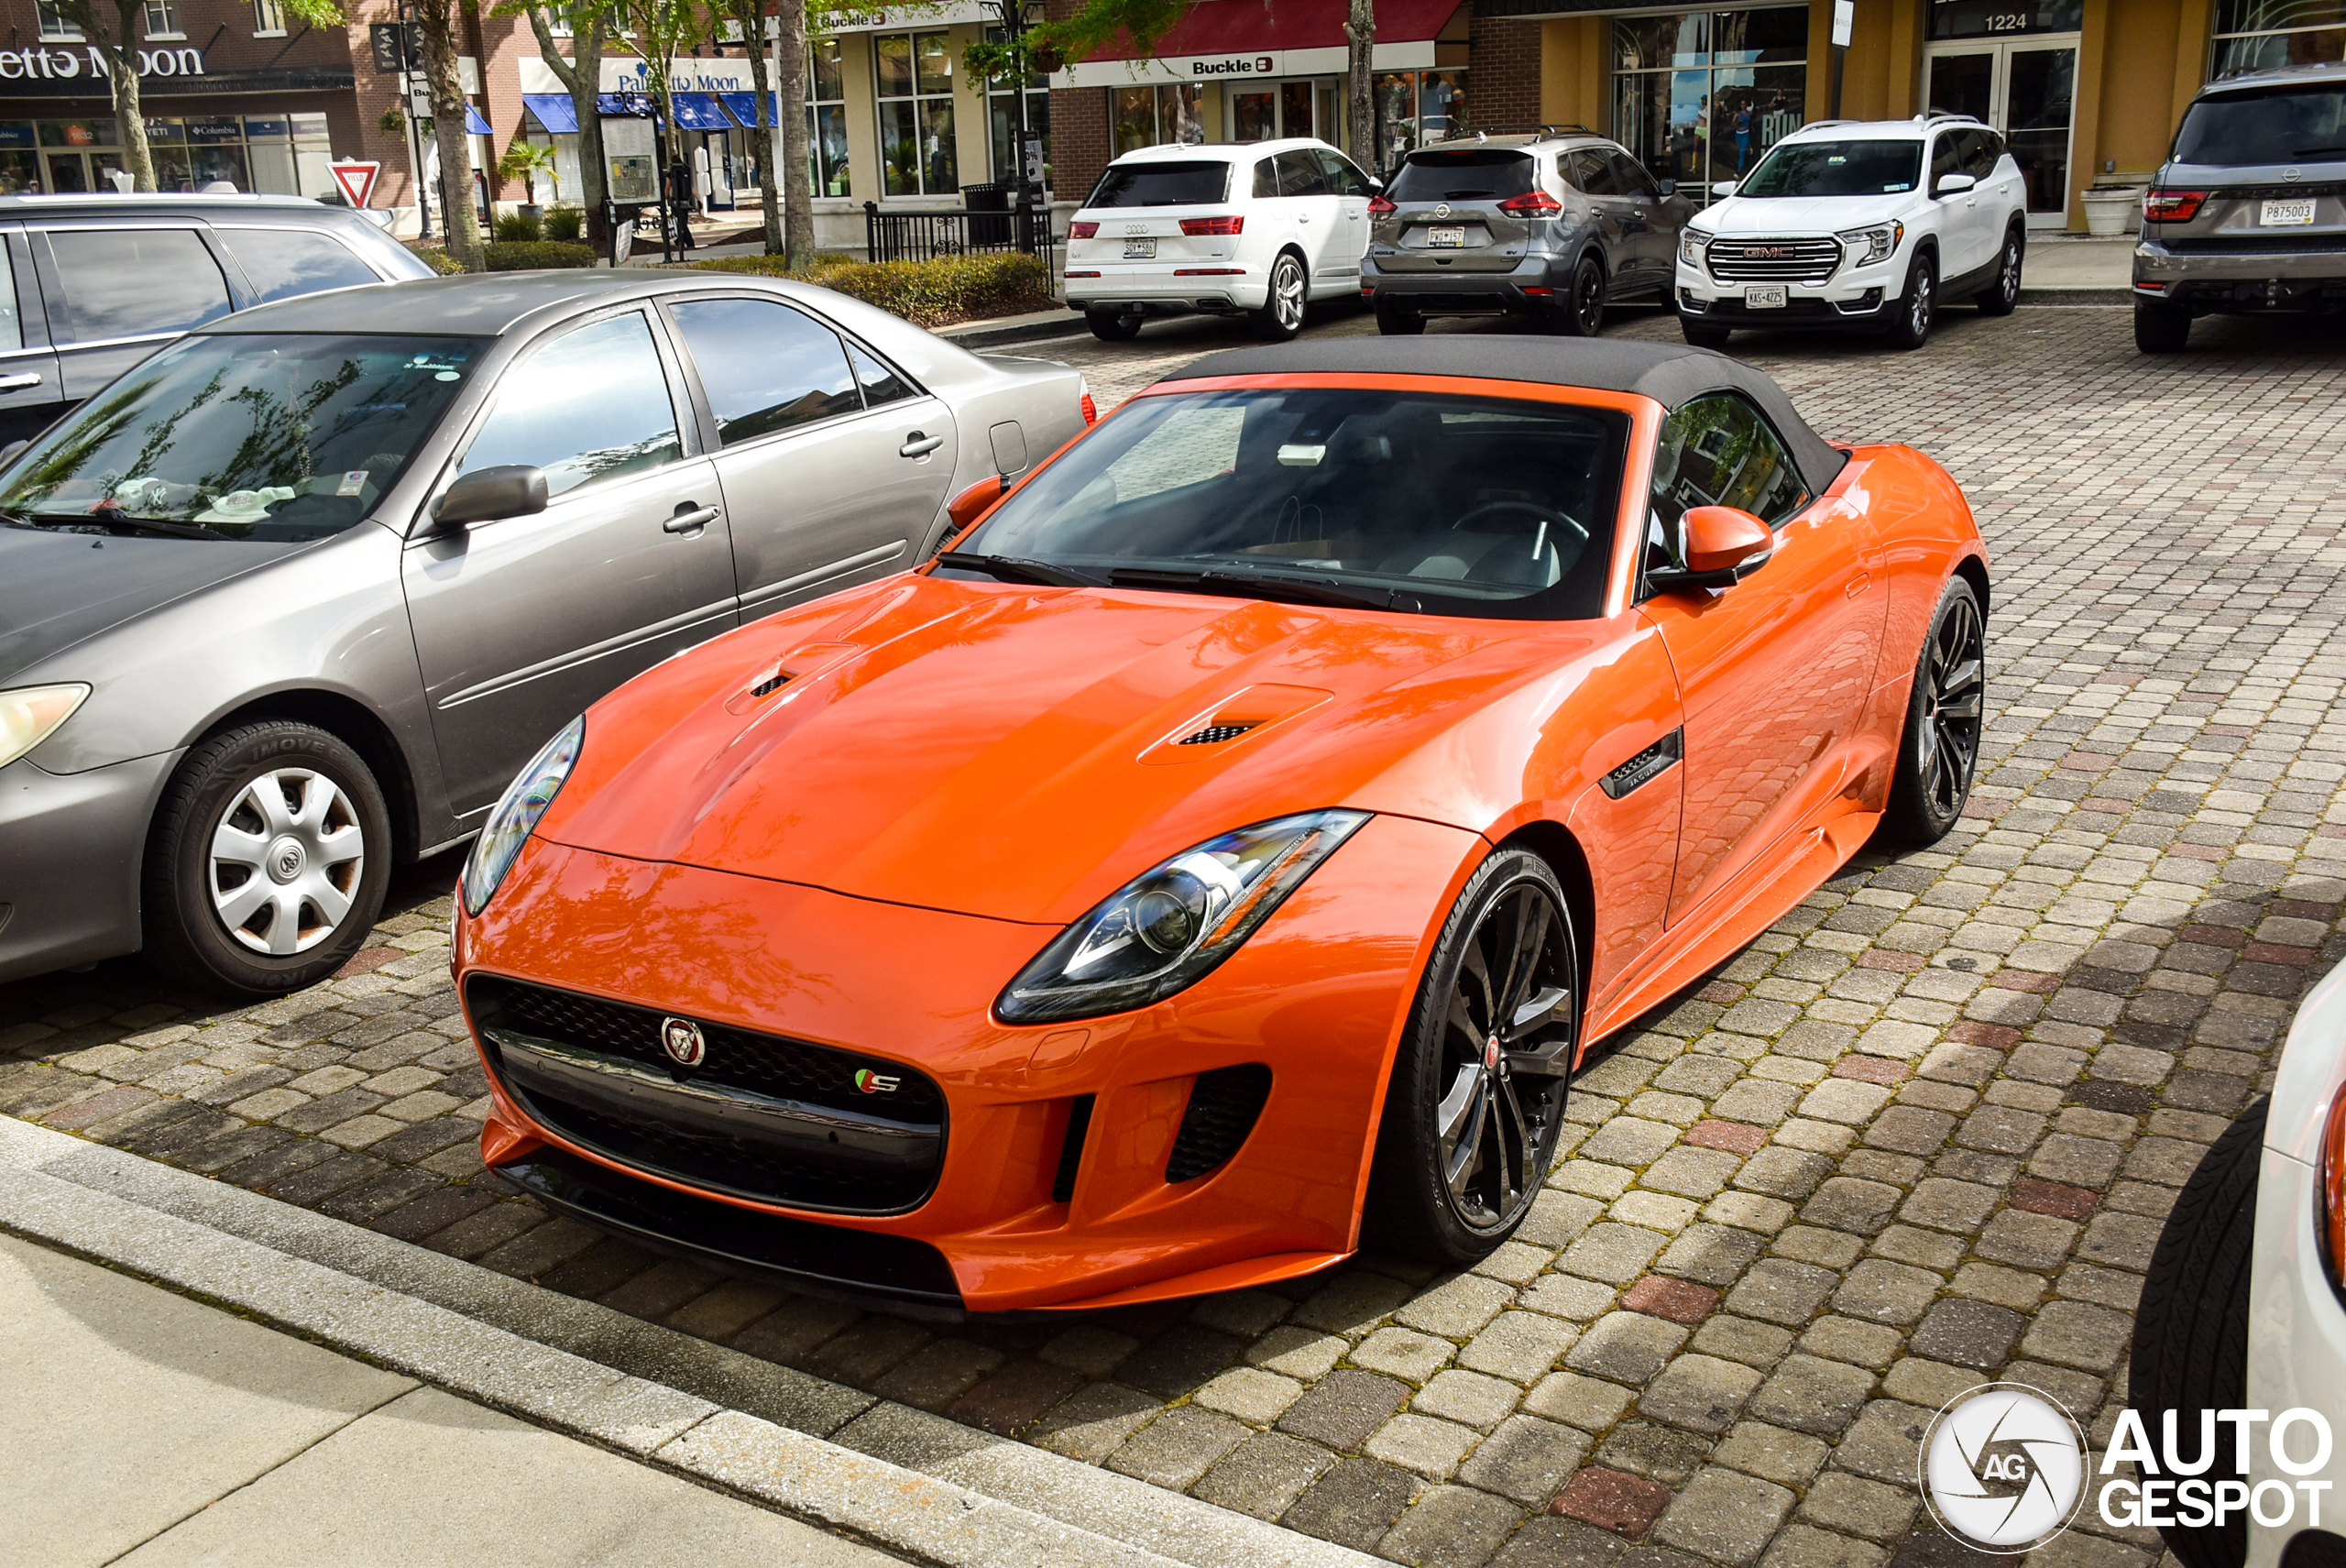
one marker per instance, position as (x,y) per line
(745,1167)
(1222,1112)
(764,1064)
(1214,735)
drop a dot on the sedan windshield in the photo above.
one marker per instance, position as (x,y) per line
(1199,184)
(253,436)
(2279,124)
(1836,169)
(1415,501)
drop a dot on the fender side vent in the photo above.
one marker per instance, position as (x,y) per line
(771,684)
(1213,735)
(1223,1110)
(1079,1124)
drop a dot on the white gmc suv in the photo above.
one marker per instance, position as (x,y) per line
(1838,227)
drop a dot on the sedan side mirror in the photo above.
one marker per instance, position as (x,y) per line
(1724,545)
(509,489)
(1669,187)
(1952,184)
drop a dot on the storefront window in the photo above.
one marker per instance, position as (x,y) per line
(1414,107)
(19,163)
(2257,35)
(1300,108)
(826,120)
(1146,117)
(1699,97)
(1002,120)
(916,81)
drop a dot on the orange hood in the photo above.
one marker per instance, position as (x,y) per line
(1012,752)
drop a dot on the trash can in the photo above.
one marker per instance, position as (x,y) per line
(986,202)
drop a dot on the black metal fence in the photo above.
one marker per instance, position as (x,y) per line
(921,237)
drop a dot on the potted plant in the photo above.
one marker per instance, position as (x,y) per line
(526,161)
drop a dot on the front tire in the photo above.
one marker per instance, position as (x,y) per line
(1999,298)
(1939,752)
(1476,1100)
(1281,316)
(2161,329)
(1702,335)
(2191,1323)
(1109,327)
(268,863)
(1910,328)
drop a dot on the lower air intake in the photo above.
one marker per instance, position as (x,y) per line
(1223,1110)
(1079,1125)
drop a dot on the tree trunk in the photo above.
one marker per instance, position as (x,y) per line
(446,86)
(762,137)
(1360,92)
(790,86)
(124,55)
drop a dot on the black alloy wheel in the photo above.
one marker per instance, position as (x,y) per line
(1584,313)
(1940,751)
(1477,1096)
(2161,328)
(1999,298)
(1910,326)
(1109,328)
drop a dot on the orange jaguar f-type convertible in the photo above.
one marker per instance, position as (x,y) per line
(1228,846)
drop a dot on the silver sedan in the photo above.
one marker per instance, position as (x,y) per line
(292,601)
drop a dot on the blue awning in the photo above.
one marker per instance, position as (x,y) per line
(474,124)
(698,112)
(625,106)
(743,107)
(554,111)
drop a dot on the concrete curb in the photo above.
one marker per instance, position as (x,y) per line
(1040,326)
(935,1490)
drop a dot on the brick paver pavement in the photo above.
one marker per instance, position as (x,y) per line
(1920,1134)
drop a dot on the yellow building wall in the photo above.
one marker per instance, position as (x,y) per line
(1573,66)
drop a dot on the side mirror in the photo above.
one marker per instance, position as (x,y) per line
(1952,184)
(969,506)
(1669,187)
(1724,545)
(1723,190)
(1376,186)
(509,489)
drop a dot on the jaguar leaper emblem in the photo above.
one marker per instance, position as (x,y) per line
(684,1041)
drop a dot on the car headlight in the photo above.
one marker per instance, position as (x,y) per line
(30,714)
(1876,244)
(1166,929)
(518,809)
(1690,246)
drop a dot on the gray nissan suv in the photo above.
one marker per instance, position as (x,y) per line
(1553,224)
(291,601)
(2248,216)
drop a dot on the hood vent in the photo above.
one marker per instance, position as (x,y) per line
(1214,735)
(771,684)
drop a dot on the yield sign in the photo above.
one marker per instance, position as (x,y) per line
(356,180)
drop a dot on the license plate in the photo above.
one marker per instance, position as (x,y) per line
(1768,299)
(2298,210)
(1140,250)
(1446,236)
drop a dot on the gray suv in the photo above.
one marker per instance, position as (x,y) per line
(2248,216)
(1555,224)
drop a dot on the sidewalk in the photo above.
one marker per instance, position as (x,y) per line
(2074,270)
(148,1428)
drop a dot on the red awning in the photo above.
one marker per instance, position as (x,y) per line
(1239,27)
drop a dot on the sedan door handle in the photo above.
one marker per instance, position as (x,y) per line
(689,519)
(918,445)
(19,381)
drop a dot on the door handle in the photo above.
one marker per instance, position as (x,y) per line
(1303,218)
(19,381)
(918,445)
(689,519)
(1858,585)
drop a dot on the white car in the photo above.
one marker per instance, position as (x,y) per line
(1838,226)
(2243,1310)
(1254,228)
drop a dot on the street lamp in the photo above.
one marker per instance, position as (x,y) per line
(1016,16)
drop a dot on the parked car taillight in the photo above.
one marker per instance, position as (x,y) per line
(1091,409)
(2333,1228)
(1378,206)
(1081,230)
(1533,204)
(2173,206)
(1231,224)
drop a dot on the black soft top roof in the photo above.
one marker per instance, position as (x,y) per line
(1670,374)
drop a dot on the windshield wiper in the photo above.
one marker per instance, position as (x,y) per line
(2314,151)
(109,517)
(1246,584)
(1013,569)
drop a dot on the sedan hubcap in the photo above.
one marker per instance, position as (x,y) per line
(286,859)
(1953,691)
(1507,1046)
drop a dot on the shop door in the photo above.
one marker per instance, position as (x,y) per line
(2026,88)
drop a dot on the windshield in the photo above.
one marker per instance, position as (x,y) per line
(1199,184)
(1450,504)
(2279,124)
(247,437)
(1477,176)
(1836,169)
